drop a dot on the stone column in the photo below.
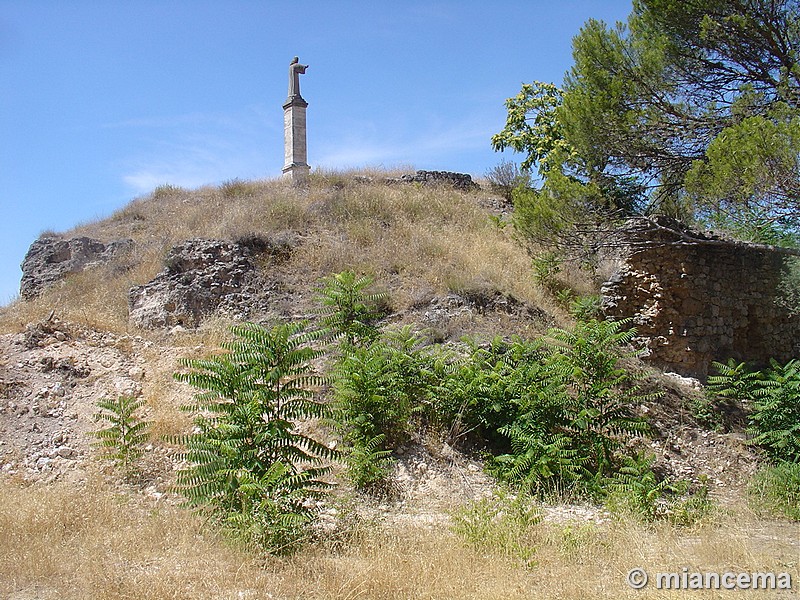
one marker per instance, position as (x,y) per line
(295,164)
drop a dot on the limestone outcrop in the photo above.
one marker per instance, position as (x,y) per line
(51,259)
(697,298)
(202,277)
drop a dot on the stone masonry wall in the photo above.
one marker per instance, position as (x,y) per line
(694,299)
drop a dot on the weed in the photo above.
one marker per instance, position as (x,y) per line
(123,439)
(502,524)
(775,490)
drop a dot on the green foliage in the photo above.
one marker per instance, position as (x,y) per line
(379,387)
(585,308)
(689,109)
(573,413)
(600,392)
(125,435)
(735,381)
(503,524)
(565,296)
(348,311)
(554,413)
(789,288)
(707,410)
(774,396)
(691,510)
(635,491)
(775,489)
(473,396)
(369,467)
(532,125)
(274,515)
(546,267)
(498,221)
(248,465)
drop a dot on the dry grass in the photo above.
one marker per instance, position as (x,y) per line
(90,541)
(413,238)
(97,298)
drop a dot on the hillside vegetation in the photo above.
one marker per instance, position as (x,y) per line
(438,526)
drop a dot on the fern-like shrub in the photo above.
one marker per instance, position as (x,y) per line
(585,308)
(348,311)
(378,388)
(774,398)
(248,465)
(573,410)
(369,467)
(636,492)
(123,440)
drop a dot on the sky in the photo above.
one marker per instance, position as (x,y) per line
(101,101)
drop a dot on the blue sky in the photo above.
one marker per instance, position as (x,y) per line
(101,101)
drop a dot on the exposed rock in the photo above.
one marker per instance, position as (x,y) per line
(696,298)
(48,395)
(51,259)
(460,181)
(481,301)
(203,277)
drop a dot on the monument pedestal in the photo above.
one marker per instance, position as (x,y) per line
(295,164)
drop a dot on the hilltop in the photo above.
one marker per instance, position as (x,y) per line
(449,265)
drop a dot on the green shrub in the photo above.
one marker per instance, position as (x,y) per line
(248,465)
(775,489)
(473,395)
(347,310)
(123,439)
(585,308)
(368,467)
(691,509)
(378,388)
(789,287)
(574,412)
(774,397)
(546,267)
(635,491)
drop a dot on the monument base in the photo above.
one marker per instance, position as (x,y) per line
(297,173)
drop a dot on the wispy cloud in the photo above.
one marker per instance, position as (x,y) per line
(427,145)
(196,149)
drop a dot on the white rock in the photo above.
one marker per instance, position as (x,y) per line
(65,452)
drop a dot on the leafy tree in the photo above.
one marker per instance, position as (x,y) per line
(689,109)
(249,466)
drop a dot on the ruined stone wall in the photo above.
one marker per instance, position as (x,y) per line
(694,299)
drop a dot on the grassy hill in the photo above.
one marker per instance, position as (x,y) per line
(417,241)
(72,528)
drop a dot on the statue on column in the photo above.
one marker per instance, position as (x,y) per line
(295,70)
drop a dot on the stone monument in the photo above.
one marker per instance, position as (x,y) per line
(294,127)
